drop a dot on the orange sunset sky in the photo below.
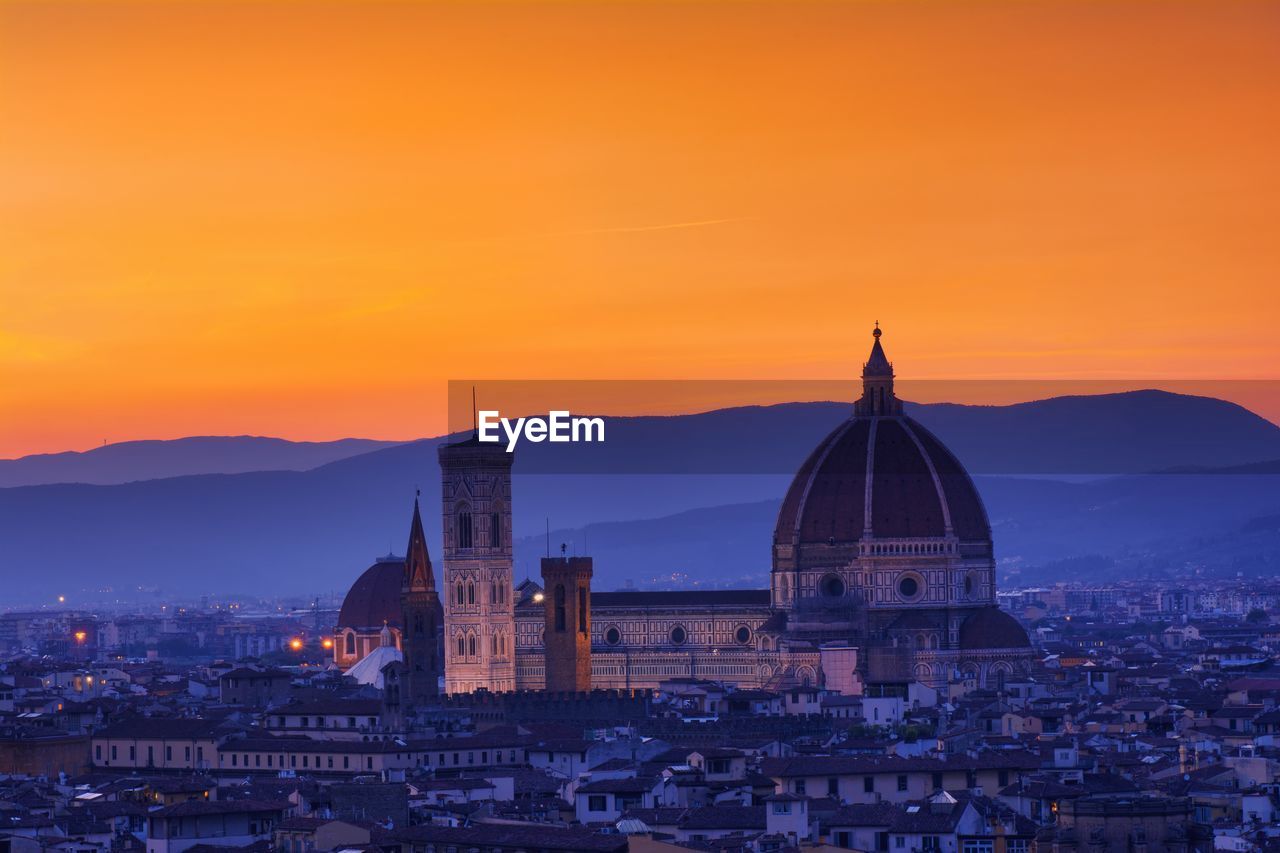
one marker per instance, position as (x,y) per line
(303,218)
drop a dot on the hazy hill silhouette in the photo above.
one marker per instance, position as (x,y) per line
(129,461)
(687,494)
(1162,521)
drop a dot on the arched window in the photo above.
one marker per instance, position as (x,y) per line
(471,593)
(465,530)
(471,645)
(493,593)
(582,610)
(351,643)
(458,593)
(493,644)
(560,616)
(419,627)
(495,530)
(462,648)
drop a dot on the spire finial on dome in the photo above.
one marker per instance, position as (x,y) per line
(877,382)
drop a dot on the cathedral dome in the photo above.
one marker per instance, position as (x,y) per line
(992,628)
(880,474)
(374,599)
(886,477)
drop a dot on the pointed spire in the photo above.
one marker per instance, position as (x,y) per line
(877,363)
(877,383)
(418,576)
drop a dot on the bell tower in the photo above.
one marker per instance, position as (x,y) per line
(479,616)
(567,640)
(419,609)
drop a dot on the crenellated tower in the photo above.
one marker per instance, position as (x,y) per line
(567,638)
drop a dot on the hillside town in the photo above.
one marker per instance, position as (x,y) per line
(1149,721)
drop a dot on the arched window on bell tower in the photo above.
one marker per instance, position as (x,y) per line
(560,615)
(466,531)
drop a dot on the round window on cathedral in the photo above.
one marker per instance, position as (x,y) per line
(742,635)
(832,586)
(613,636)
(678,635)
(909,586)
(968,584)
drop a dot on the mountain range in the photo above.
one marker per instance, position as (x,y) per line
(664,501)
(128,461)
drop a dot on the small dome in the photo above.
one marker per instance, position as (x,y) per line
(369,669)
(374,599)
(992,628)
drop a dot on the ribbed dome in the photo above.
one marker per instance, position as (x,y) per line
(374,599)
(907,485)
(992,628)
